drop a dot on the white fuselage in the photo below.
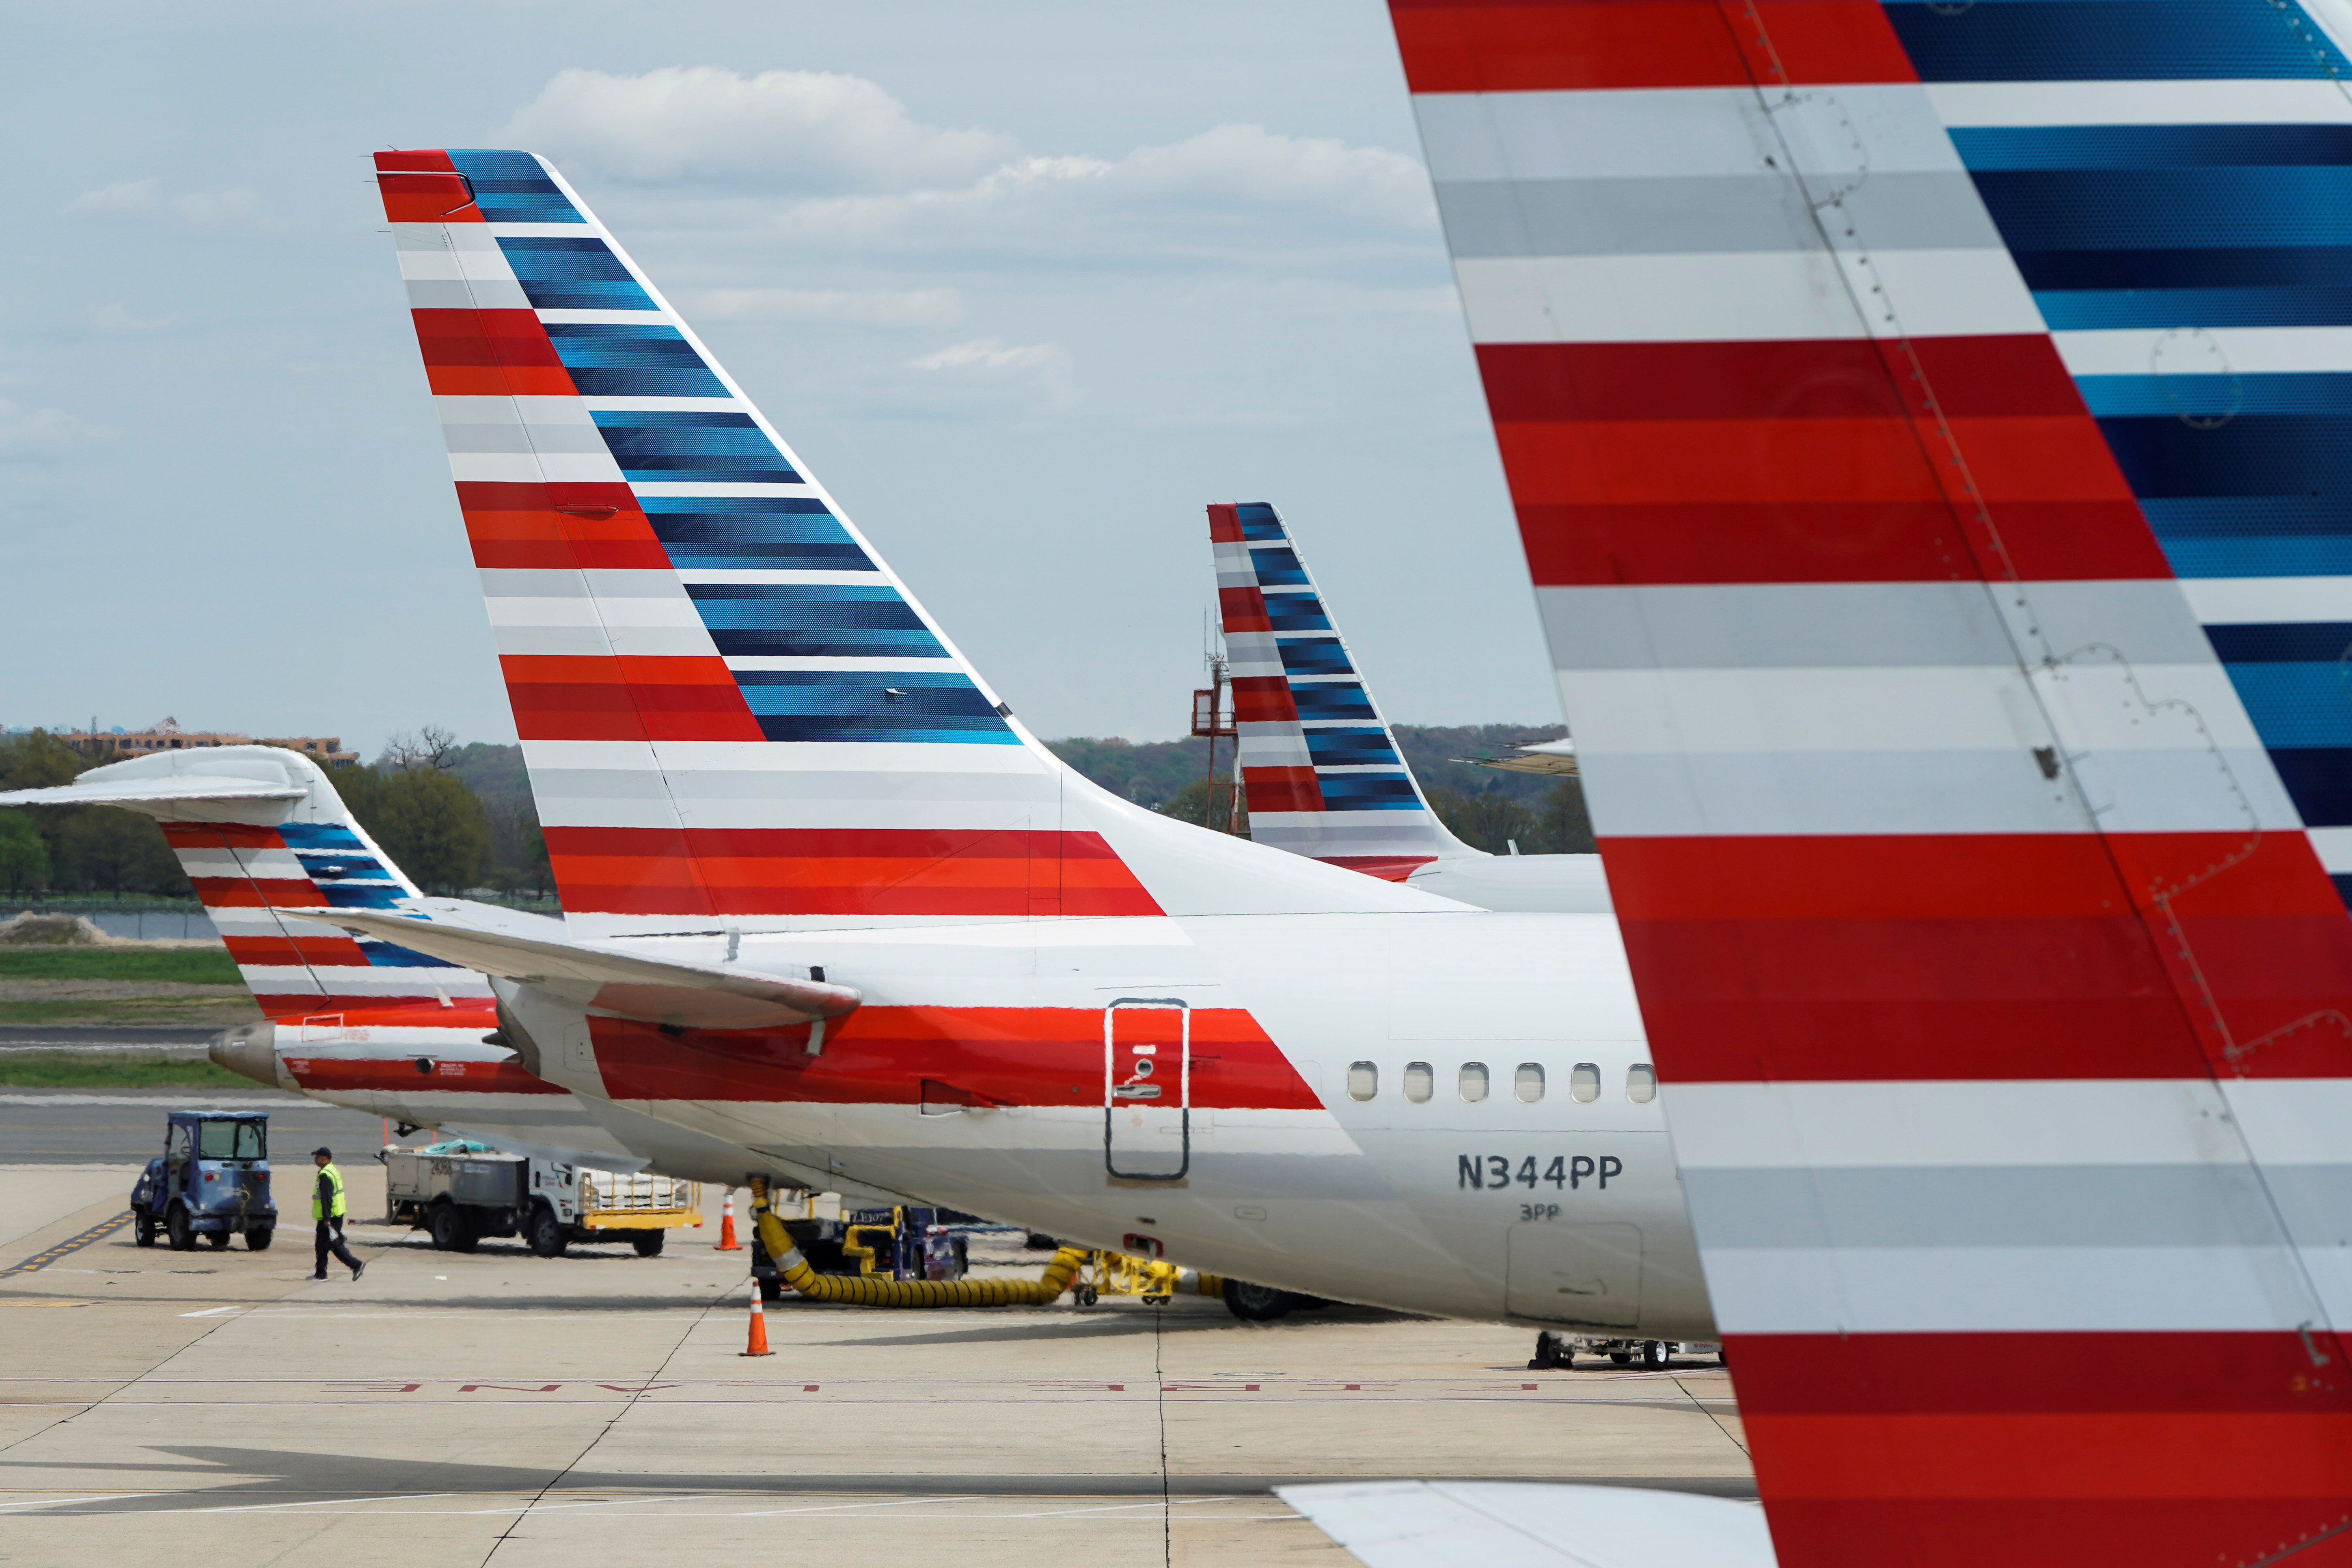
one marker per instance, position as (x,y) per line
(995,1068)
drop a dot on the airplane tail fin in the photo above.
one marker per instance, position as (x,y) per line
(261,830)
(2004,1003)
(1318,765)
(734,712)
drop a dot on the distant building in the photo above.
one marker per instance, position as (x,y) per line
(168,736)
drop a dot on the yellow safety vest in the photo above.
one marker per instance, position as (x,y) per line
(336,1211)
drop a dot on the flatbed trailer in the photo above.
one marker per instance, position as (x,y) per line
(458,1196)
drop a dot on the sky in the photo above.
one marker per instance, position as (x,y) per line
(1025,284)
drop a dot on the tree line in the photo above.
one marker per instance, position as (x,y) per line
(456,817)
(453,817)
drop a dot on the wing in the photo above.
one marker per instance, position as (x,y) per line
(1506,1524)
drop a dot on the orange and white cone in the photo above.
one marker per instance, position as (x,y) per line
(727,1242)
(759,1345)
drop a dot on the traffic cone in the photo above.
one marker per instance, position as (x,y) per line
(727,1242)
(759,1345)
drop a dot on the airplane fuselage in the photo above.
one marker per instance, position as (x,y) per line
(1311,1101)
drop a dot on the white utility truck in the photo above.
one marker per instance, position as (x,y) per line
(460,1193)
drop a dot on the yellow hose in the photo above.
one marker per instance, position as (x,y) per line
(868,1292)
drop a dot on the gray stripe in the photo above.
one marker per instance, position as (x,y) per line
(1707,215)
(2073,1206)
(504,583)
(687,786)
(519,438)
(1855,625)
(456,294)
(1842,792)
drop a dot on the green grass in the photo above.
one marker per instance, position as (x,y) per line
(188,966)
(193,1011)
(71,1069)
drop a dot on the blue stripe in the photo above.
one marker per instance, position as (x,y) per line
(2096,310)
(1295,613)
(510,187)
(1368,792)
(2297,705)
(1353,747)
(2186,267)
(608,361)
(2302,642)
(718,447)
(1278,567)
(837,705)
(2126,397)
(811,620)
(2113,40)
(384,955)
(2158,209)
(1314,656)
(1325,700)
(2306,454)
(2236,536)
(2318,779)
(783,533)
(573,274)
(1988,149)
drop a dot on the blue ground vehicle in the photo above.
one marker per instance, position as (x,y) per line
(212,1181)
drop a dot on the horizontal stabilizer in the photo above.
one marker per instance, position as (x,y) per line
(658,990)
(1521,1524)
(155,791)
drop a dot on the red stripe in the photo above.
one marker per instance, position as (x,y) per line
(463,1015)
(874,871)
(291,1005)
(1480,45)
(558,527)
(1932,1532)
(220,835)
(1387,867)
(1985,957)
(280,951)
(1225,524)
(489,353)
(1242,610)
(398,1075)
(580,698)
(243,893)
(1808,462)
(879,1056)
(1282,789)
(428,197)
(2026,1374)
(1263,700)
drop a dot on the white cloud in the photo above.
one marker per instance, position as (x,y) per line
(36,433)
(1038,375)
(858,306)
(145,199)
(1249,164)
(810,128)
(987,353)
(131,198)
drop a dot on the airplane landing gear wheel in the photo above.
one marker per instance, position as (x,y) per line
(1655,1355)
(1552,1351)
(1257,1303)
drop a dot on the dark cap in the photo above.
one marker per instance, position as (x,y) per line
(322,1149)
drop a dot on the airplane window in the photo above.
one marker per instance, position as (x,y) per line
(1528,1084)
(1641,1083)
(1363,1080)
(1584,1083)
(1418,1081)
(1473,1082)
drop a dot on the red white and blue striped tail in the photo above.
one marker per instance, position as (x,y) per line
(1318,767)
(259,830)
(734,712)
(1841,355)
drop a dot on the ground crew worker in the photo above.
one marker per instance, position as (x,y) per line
(327,1210)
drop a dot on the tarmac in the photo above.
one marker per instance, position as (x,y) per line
(497,1408)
